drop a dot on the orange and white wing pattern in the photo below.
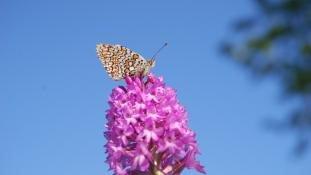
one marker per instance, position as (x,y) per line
(120,61)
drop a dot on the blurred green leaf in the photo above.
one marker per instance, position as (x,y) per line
(277,31)
(306,49)
(259,43)
(293,5)
(300,81)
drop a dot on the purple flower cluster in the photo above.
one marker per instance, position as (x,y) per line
(147,130)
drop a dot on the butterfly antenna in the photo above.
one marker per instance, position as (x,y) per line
(153,57)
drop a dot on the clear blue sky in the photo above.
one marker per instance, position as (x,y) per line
(54,91)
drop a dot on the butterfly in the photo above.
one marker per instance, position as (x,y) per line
(120,61)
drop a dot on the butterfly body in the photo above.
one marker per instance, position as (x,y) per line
(120,61)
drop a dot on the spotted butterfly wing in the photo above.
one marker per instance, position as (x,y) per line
(120,61)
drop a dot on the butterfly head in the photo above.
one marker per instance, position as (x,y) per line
(150,64)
